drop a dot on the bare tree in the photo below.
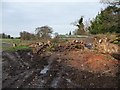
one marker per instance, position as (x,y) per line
(80,27)
(56,35)
(70,33)
(44,31)
(87,24)
(26,35)
(111,2)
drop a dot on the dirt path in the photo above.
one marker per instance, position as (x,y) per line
(6,44)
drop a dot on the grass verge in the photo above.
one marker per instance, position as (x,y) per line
(11,49)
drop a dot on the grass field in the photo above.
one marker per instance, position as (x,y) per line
(11,41)
(6,44)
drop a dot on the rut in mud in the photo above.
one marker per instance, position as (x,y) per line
(23,69)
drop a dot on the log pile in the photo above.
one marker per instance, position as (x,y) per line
(72,45)
(101,45)
(39,47)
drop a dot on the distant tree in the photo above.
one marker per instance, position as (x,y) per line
(70,33)
(56,38)
(26,35)
(0,35)
(110,2)
(106,21)
(12,37)
(75,32)
(66,34)
(3,35)
(86,26)
(80,27)
(9,36)
(56,35)
(44,32)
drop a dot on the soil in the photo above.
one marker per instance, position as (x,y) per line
(66,69)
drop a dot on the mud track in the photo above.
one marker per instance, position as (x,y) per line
(23,69)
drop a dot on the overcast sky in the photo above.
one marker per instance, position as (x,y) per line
(28,14)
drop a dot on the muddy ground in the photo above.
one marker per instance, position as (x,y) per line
(69,69)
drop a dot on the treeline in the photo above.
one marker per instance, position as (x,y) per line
(43,32)
(107,21)
(3,35)
(27,36)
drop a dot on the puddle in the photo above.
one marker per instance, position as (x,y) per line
(29,54)
(44,71)
(46,68)
(68,80)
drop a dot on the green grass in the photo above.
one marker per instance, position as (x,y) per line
(11,49)
(11,41)
(21,45)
